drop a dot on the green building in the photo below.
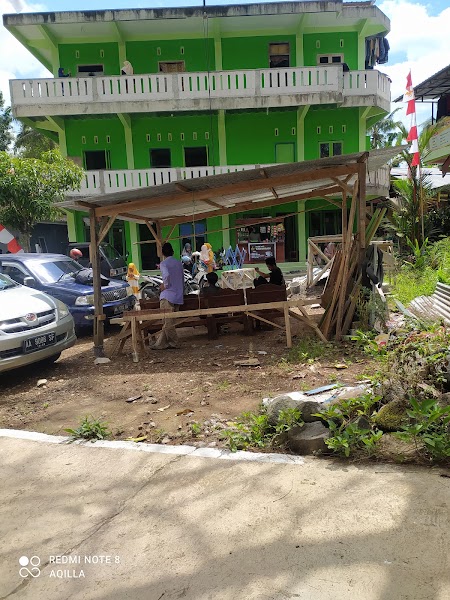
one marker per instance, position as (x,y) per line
(210,90)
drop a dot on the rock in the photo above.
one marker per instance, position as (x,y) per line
(153,401)
(392,415)
(165,440)
(307,439)
(390,447)
(363,422)
(444,400)
(306,407)
(41,382)
(102,360)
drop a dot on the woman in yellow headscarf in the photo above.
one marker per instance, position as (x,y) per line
(207,257)
(133,278)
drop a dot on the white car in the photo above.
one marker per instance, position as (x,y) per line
(33,326)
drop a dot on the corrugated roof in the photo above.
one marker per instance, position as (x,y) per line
(432,88)
(233,192)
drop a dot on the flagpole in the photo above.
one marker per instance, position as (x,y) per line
(413,138)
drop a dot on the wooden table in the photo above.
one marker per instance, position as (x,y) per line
(133,322)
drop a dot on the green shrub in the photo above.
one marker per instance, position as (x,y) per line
(429,428)
(90,429)
(254,430)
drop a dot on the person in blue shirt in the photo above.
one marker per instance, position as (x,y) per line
(170,298)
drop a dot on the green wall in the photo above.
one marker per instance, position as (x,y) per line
(76,129)
(172,127)
(252,52)
(198,54)
(215,239)
(330,43)
(90,54)
(176,244)
(251,136)
(337,119)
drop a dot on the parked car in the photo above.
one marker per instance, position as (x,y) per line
(112,264)
(56,274)
(34,327)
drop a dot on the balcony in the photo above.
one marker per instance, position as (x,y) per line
(250,89)
(97,183)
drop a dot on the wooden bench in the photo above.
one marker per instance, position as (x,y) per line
(263,294)
(226,299)
(136,323)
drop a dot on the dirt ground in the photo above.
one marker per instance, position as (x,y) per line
(200,380)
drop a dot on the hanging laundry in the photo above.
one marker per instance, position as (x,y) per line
(377,51)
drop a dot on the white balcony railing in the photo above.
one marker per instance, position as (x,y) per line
(104,182)
(184,91)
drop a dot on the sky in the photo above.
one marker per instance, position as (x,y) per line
(418,39)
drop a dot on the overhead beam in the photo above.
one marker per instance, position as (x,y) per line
(243,206)
(231,189)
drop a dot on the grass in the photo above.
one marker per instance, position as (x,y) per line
(410,283)
(223,385)
(89,429)
(309,349)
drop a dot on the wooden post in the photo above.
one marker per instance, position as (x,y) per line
(159,235)
(98,301)
(287,324)
(362,205)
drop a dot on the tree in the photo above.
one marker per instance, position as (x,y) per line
(385,132)
(5,125)
(29,187)
(414,194)
(31,143)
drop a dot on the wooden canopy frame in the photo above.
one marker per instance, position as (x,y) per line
(334,179)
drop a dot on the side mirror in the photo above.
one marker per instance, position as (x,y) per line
(29,282)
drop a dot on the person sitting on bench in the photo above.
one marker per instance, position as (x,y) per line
(211,289)
(275,276)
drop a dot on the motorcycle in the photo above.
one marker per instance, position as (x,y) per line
(150,286)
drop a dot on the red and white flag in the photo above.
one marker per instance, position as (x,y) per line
(9,240)
(413,138)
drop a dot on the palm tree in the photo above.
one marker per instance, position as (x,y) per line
(415,194)
(31,143)
(385,132)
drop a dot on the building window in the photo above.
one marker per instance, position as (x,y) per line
(196,157)
(169,137)
(148,138)
(90,70)
(279,55)
(327,149)
(174,66)
(182,50)
(94,160)
(330,59)
(160,158)
(108,139)
(344,128)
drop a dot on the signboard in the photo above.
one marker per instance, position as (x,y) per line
(258,251)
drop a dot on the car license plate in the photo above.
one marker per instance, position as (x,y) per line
(120,309)
(39,342)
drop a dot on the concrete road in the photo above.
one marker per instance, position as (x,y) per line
(115,524)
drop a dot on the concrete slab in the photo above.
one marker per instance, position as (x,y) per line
(152,526)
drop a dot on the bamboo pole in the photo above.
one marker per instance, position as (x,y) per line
(98,300)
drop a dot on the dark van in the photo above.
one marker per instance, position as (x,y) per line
(112,264)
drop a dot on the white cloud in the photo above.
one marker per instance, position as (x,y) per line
(15,60)
(423,39)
